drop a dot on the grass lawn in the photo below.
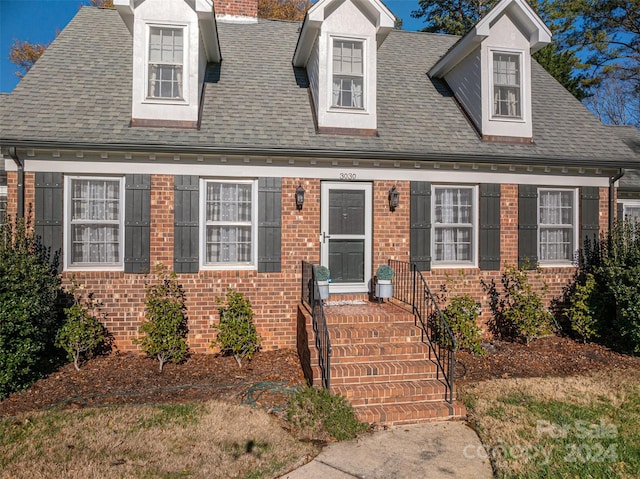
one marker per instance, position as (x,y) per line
(207,440)
(578,427)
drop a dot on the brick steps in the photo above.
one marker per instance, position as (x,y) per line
(379,363)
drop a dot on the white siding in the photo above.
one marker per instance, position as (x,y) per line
(466,82)
(312,73)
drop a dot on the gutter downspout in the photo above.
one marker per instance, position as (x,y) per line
(14,154)
(612,182)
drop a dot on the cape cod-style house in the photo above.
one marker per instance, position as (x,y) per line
(237,151)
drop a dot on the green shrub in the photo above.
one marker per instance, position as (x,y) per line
(322,273)
(82,334)
(29,288)
(384,272)
(581,313)
(316,414)
(165,327)
(461,315)
(518,312)
(614,262)
(237,335)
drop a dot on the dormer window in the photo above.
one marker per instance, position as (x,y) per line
(507,81)
(166,53)
(348,76)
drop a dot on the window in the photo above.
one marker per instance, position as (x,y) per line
(454,218)
(507,97)
(165,62)
(348,77)
(229,223)
(3,204)
(557,222)
(631,211)
(95,222)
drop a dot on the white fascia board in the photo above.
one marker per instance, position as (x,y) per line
(125,8)
(208,30)
(308,34)
(519,10)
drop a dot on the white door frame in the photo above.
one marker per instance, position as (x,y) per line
(367,236)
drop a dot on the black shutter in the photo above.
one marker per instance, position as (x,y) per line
(528,225)
(589,214)
(137,235)
(620,215)
(269,224)
(49,212)
(186,219)
(490,227)
(420,220)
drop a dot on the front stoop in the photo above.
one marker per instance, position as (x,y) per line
(381,366)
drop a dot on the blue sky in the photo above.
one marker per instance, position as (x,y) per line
(38,20)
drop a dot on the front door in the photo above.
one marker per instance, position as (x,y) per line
(346,235)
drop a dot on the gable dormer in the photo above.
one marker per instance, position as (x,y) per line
(338,46)
(173,40)
(489,70)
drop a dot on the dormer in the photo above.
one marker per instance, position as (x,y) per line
(338,46)
(173,40)
(489,71)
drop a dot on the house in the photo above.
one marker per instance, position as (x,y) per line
(628,192)
(180,132)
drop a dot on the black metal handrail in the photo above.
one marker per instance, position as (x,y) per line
(310,295)
(410,287)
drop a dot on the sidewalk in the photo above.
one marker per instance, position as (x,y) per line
(424,451)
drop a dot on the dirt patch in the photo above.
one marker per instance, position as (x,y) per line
(135,379)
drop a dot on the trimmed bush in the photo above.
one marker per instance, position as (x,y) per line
(165,327)
(82,334)
(384,272)
(518,312)
(316,414)
(461,315)
(29,288)
(322,273)
(237,335)
(581,313)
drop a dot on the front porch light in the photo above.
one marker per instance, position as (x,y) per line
(394,198)
(299,197)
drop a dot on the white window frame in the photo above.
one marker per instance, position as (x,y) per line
(473,262)
(575,227)
(148,98)
(68,265)
(629,204)
(522,86)
(365,86)
(251,265)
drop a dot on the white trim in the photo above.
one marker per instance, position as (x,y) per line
(146,98)
(302,169)
(628,202)
(524,88)
(325,186)
(475,229)
(202,226)
(365,80)
(576,229)
(66,247)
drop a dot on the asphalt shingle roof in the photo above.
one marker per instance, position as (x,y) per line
(79,91)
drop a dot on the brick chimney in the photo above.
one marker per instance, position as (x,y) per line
(236,11)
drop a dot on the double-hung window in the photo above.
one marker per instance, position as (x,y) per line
(229,234)
(348,74)
(631,211)
(557,225)
(3,196)
(166,56)
(95,214)
(454,224)
(507,85)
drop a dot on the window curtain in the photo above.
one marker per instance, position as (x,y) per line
(228,203)
(555,209)
(448,216)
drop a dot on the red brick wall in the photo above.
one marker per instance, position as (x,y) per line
(243,8)
(275,296)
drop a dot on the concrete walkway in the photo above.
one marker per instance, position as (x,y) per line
(424,451)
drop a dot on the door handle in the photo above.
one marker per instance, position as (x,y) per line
(325,237)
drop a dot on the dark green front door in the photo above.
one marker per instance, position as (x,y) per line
(346,235)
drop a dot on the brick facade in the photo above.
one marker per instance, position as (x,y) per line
(275,296)
(238,8)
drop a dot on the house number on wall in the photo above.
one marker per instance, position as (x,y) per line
(348,176)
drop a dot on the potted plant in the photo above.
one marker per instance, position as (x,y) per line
(384,287)
(322,278)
